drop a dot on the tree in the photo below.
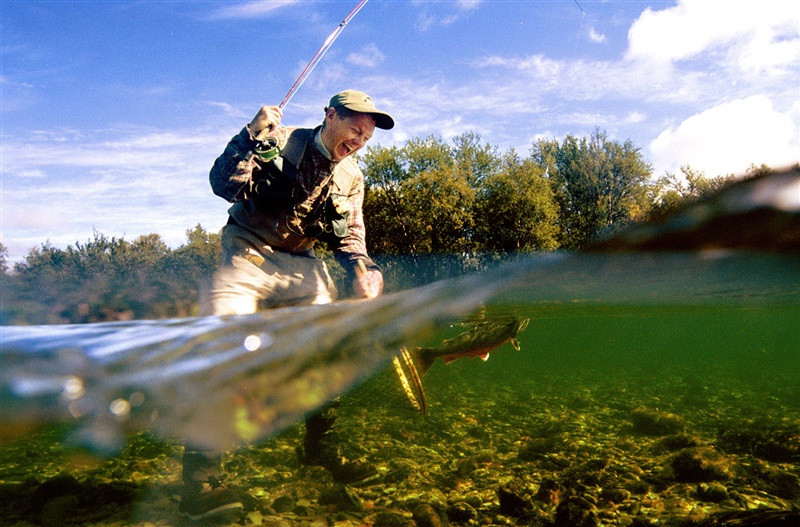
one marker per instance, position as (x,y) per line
(599,185)
(417,200)
(476,161)
(672,191)
(387,214)
(185,271)
(3,259)
(104,278)
(515,209)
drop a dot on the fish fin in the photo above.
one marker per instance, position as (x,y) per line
(423,359)
(515,343)
(484,358)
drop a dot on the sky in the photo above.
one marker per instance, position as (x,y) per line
(112,113)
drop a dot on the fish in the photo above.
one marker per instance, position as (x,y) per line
(482,335)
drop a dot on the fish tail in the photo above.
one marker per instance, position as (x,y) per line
(423,359)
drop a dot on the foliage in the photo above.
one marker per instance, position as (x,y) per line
(672,191)
(600,185)
(109,279)
(515,209)
(419,201)
(3,259)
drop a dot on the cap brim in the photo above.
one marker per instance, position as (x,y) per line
(383,121)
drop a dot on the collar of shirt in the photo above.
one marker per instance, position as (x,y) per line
(321,146)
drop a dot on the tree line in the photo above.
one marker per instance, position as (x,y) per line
(432,208)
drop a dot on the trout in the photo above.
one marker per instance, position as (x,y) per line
(483,334)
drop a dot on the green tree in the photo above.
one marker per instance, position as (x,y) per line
(104,278)
(599,184)
(515,209)
(672,190)
(3,259)
(473,159)
(419,201)
(185,271)
(387,213)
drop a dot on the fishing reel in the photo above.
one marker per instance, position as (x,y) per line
(267,149)
(268,142)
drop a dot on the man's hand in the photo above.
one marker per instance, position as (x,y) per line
(368,283)
(266,122)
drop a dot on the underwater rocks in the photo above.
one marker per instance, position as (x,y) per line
(575,512)
(426,515)
(676,442)
(655,423)
(461,512)
(780,444)
(713,492)
(633,455)
(697,465)
(514,499)
(64,500)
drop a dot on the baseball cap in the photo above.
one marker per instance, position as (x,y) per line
(358,101)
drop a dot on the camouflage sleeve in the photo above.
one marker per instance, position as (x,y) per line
(232,172)
(353,247)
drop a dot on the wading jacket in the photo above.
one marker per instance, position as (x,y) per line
(234,178)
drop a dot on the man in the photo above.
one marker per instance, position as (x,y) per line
(312,189)
(289,188)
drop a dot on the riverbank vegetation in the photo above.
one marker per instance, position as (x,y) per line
(432,209)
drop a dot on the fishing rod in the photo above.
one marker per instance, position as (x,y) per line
(320,53)
(268,147)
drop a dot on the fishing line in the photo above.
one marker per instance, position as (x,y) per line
(580,28)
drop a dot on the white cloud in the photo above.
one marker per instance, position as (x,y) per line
(635,117)
(752,35)
(369,57)
(231,110)
(31,174)
(62,185)
(729,137)
(426,19)
(255,9)
(594,36)
(469,5)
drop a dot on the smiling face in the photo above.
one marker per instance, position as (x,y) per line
(343,136)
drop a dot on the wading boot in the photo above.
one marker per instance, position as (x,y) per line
(321,447)
(203,498)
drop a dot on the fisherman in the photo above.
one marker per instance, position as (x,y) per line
(289,188)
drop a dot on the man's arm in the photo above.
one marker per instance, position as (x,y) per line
(351,253)
(231,175)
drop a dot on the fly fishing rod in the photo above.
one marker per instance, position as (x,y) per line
(268,148)
(320,53)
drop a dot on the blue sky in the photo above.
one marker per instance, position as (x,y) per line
(113,112)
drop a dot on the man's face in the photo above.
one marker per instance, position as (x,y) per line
(343,137)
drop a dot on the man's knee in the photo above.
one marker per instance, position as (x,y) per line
(234,291)
(227,304)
